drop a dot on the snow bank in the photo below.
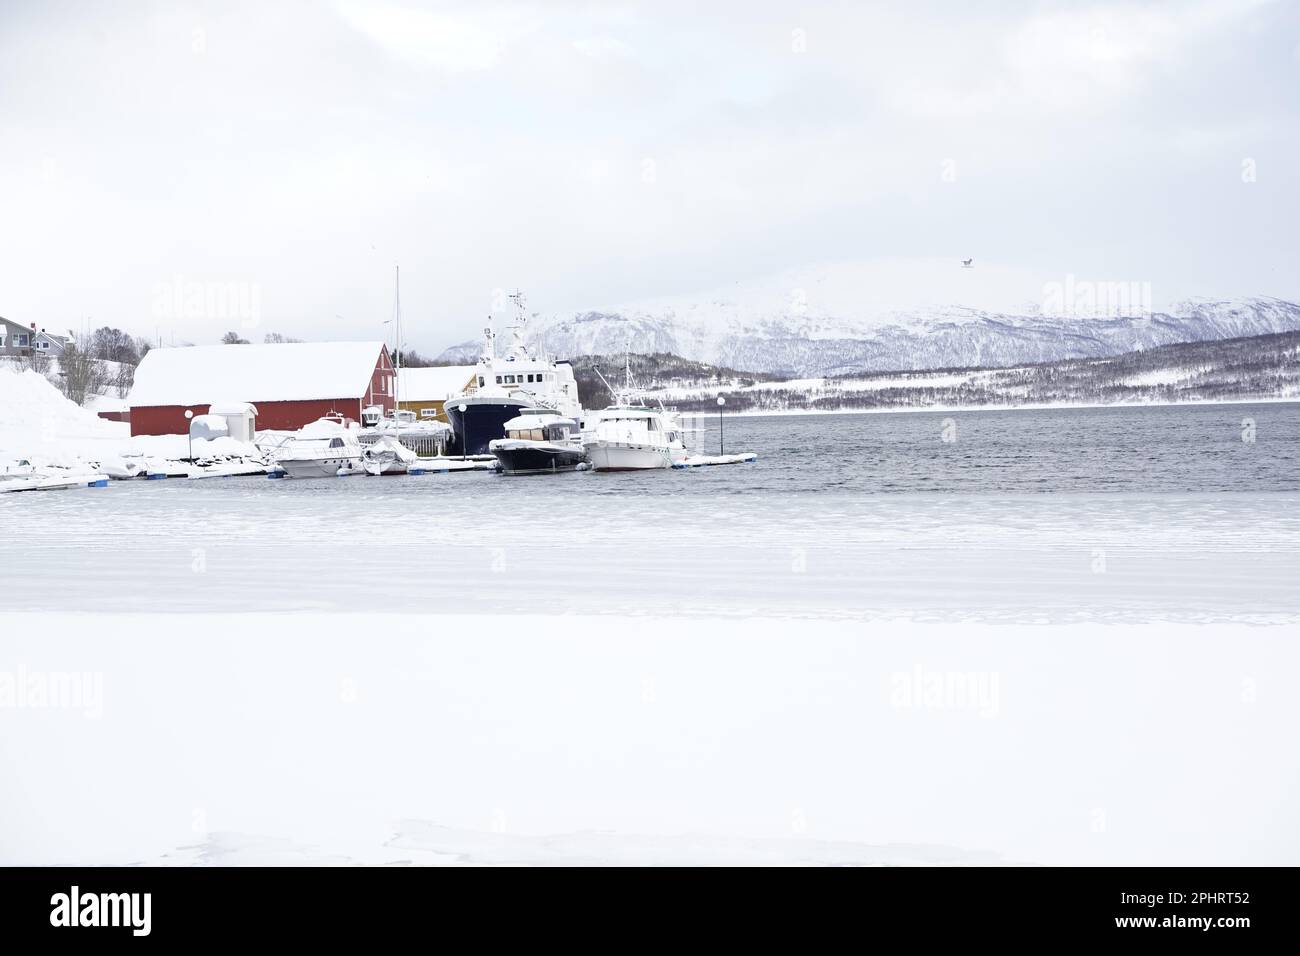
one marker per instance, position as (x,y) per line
(38,422)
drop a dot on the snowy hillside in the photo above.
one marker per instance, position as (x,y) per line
(721,334)
(1251,368)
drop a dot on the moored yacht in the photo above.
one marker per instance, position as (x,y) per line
(631,435)
(634,438)
(325,448)
(503,386)
(539,441)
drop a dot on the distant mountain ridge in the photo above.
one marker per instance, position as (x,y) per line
(781,341)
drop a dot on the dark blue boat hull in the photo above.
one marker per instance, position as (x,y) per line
(482,421)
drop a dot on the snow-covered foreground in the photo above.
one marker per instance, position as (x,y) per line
(389,738)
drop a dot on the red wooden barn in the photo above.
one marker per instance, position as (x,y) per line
(290,383)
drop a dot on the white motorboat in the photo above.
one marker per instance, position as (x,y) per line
(326,448)
(539,441)
(634,438)
(631,435)
(387,456)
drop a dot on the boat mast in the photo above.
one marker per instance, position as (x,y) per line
(397,314)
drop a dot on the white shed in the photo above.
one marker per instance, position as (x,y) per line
(241,419)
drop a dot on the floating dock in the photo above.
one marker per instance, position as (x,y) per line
(441,466)
(53,482)
(701,461)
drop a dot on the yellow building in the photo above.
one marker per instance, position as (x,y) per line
(423,390)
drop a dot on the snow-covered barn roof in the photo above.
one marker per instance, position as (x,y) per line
(433,384)
(284,372)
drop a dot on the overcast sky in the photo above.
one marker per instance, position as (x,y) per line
(595,155)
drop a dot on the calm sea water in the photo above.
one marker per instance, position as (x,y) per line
(1151,449)
(1118,513)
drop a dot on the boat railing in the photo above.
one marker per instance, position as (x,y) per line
(425,445)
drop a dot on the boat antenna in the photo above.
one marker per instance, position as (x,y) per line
(613,392)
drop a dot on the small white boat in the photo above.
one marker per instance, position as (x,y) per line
(226,467)
(19,468)
(326,448)
(387,456)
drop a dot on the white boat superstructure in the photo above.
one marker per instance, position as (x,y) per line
(326,448)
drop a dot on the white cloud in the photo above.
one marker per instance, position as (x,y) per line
(457,42)
(602,48)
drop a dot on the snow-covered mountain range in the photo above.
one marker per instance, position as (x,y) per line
(789,339)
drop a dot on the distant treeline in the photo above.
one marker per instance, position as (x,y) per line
(659,370)
(1263,366)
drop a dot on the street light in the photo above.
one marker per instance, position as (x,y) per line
(464,433)
(722,447)
(189,431)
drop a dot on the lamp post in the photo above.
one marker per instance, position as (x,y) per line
(722,446)
(189,432)
(464,433)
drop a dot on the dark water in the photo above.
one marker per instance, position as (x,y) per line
(1153,449)
(1188,448)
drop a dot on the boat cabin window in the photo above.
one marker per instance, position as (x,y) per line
(480,381)
(336,442)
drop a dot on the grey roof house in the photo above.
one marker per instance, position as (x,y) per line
(18,339)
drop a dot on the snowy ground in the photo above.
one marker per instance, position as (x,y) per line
(560,739)
(894,679)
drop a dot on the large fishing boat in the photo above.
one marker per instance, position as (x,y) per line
(505,385)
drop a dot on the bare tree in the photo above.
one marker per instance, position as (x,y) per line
(275,338)
(81,374)
(36,360)
(114,345)
(232,338)
(122,378)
